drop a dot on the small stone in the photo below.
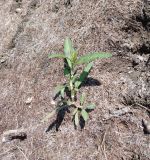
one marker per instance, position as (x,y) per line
(14,134)
(2,60)
(53,102)
(18,10)
(120,112)
(30,107)
(138,59)
(146,126)
(29,100)
(141,58)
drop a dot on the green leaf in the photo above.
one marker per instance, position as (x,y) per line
(68,48)
(83,75)
(74,56)
(74,78)
(49,116)
(68,51)
(58,89)
(75,111)
(82,99)
(62,92)
(69,102)
(77,84)
(69,63)
(85,72)
(67,69)
(76,118)
(91,106)
(92,56)
(56,56)
(84,114)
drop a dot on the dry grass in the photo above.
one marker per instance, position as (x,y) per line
(26,39)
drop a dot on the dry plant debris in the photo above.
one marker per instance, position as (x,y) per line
(28,36)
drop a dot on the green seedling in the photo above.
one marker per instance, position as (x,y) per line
(82,110)
(68,91)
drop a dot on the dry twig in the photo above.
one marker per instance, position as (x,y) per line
(141,106)
(20,149)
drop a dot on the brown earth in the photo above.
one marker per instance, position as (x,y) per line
(29,30)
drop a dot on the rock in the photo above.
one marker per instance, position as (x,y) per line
(137,59)
(3,59)
(147,9)
(18,10)
(53,102)
(138,90)
(146,126)
(120,112)
(14,134)
(117,113)
(29,100)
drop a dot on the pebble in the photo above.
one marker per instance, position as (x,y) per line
(14,134)
(146,126)
(29,100)
(18,10)
(53,102)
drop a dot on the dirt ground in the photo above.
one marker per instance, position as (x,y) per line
(29,30)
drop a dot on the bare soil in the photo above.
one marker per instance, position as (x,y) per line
(29,30)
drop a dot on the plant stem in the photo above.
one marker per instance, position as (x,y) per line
(72,86)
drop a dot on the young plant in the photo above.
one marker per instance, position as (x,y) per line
(68,91)
(81,111)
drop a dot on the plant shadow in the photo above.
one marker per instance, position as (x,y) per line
(91,82)
(82,121)
(59,119)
